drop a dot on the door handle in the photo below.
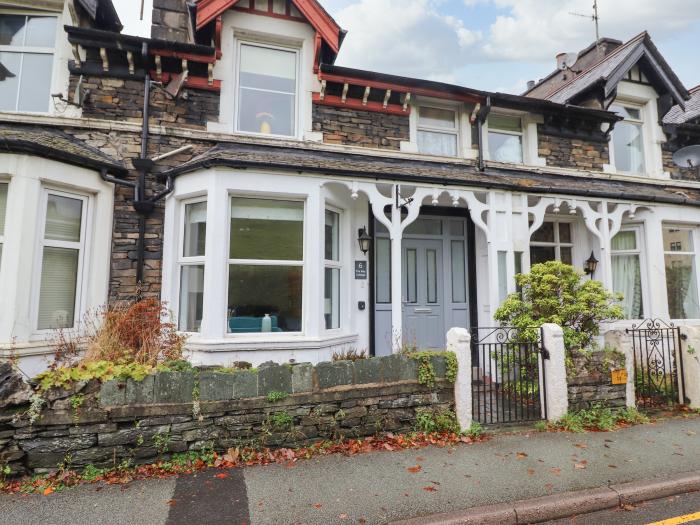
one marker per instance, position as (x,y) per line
(423,310)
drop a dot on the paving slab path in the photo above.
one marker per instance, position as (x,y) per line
(380,487)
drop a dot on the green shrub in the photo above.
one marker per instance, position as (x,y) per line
(599,418)
(429,420)
(274,396)
(554,292)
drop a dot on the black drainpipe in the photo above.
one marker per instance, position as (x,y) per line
(480,119)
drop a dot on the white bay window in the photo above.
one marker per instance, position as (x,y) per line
(267,90)
(681,273)
(627,271)
(63,243)
(26,61)
(266,265)
(192,266)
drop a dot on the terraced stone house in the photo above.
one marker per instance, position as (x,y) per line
(286,207)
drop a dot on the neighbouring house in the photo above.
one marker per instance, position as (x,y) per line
(286,207)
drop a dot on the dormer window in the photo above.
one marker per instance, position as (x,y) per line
(505,138)
(628,139)
(267,90)
(26,61)
(437,131)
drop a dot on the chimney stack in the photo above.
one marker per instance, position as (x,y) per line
(172,21)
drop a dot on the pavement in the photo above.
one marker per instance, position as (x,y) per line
(378,487)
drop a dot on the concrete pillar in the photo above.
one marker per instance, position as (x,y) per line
(458,341)
(622,342)
(396,281)
(690,351)
(557,394)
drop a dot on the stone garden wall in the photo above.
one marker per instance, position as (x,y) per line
(274,406)
(589,380)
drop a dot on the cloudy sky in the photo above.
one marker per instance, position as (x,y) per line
(492,44)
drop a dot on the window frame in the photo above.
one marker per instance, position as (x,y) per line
(4,219)
(641,124)
(556,244)
(81,246)
(239,43)
(267,262)
(182,260)
(456,131)
(520,134)
(336,265)
(35,50)
(693,235)
(640,251)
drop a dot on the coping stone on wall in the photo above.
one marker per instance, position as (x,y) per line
(140,392)
(275,378)
(302,378)
(368,371)
(216,386)
(173,387)
(245,384)
(337,373)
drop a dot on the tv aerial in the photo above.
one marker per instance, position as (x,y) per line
(596,19)
(688,157)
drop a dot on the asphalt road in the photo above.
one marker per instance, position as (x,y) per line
(684,508)
(377,488)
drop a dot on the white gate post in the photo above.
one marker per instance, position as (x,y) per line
(690,352)
(621,341)
(458,341)
(557,396)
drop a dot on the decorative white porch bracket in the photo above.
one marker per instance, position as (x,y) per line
(557,393)
(396,226)
(690,349)
(458,341)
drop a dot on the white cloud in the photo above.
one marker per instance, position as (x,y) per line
(538,29)
(129,13)
(410,37)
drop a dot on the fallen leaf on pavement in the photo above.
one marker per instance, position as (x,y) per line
(172,502)
(342,516)
(612,466)
(580,445)
(317,505)
(430,489)
(415,469)
(520,455)
(628,507)
(531,472)
(580,465)
(48,490)
(555,470)
(221,475)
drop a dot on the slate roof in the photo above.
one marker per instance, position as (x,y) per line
(692,110)
(610,69)
(343,164)
(56,145)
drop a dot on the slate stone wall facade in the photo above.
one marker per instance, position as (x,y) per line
(360,128)
(134,420)
(590,383)
(572,153)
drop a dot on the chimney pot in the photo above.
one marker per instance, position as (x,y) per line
(530,84)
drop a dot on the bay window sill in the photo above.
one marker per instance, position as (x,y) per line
(278,342)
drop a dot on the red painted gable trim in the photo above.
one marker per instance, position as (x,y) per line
(207,10)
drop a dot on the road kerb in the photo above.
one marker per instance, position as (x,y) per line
(558,506)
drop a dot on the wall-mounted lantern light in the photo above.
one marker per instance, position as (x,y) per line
(590,265)
(364,239)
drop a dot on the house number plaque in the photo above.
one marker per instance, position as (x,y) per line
(360,269)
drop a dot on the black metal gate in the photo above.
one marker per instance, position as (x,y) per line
(508,382)
(658,363)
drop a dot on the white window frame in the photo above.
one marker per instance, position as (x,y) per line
(643,129)
(557,244)
(183,260)
(329,263)
(237,87)
(32,50)
(81,246)
(267,262)
(640,251)
(521,133)
(667,251)
(435,129)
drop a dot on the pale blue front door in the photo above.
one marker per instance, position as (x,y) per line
(422,294)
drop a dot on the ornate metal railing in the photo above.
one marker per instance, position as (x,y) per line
(507,375)
(658,363)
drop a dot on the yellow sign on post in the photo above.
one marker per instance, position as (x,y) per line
(619,377)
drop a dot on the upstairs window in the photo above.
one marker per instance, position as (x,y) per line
(505,138)
(26,61)
(437,131)
(267,90)
(628,139)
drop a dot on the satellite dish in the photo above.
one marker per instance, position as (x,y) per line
(566,60)
(688,157)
